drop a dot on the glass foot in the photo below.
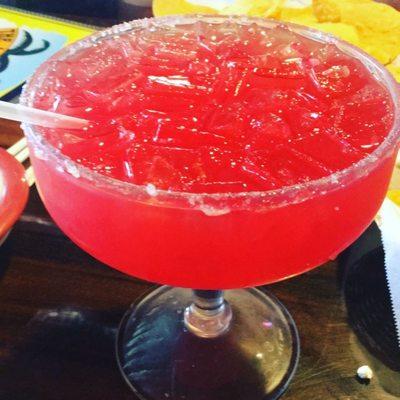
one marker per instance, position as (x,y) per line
(254,359)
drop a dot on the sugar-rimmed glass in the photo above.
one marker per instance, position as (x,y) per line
(170,346)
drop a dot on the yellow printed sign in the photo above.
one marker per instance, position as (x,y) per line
(27,40)
(7,37)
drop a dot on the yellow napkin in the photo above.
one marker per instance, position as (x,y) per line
(394,188)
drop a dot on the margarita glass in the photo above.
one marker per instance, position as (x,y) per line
(182,345)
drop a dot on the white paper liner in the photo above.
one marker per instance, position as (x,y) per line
(389,224)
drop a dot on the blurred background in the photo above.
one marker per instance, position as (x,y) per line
(94,12)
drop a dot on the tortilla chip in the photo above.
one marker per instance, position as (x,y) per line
(331,10)
(306,16)
(343,31)
(302,16)
(258,8)
(377,24)
(394,68)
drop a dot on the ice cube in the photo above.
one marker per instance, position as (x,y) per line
(267,130)
(258,175)
(275,67)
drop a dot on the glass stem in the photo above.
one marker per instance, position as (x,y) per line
(209,316)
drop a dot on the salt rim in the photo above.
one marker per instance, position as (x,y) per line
(277,197)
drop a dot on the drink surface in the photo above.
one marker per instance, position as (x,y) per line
(211,108)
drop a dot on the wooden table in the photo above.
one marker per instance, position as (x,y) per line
(60,308)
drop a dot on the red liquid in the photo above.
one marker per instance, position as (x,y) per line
(214,109)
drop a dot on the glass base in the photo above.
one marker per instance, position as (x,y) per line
(254,360)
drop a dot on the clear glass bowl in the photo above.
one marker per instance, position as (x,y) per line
(276,233)
(172,344)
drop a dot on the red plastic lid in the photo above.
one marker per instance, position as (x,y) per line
(13,191)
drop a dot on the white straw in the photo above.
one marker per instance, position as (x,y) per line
(29,176)
(22,155)
(17,147)
(18,112)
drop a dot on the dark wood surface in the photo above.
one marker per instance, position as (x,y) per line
(60,308)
